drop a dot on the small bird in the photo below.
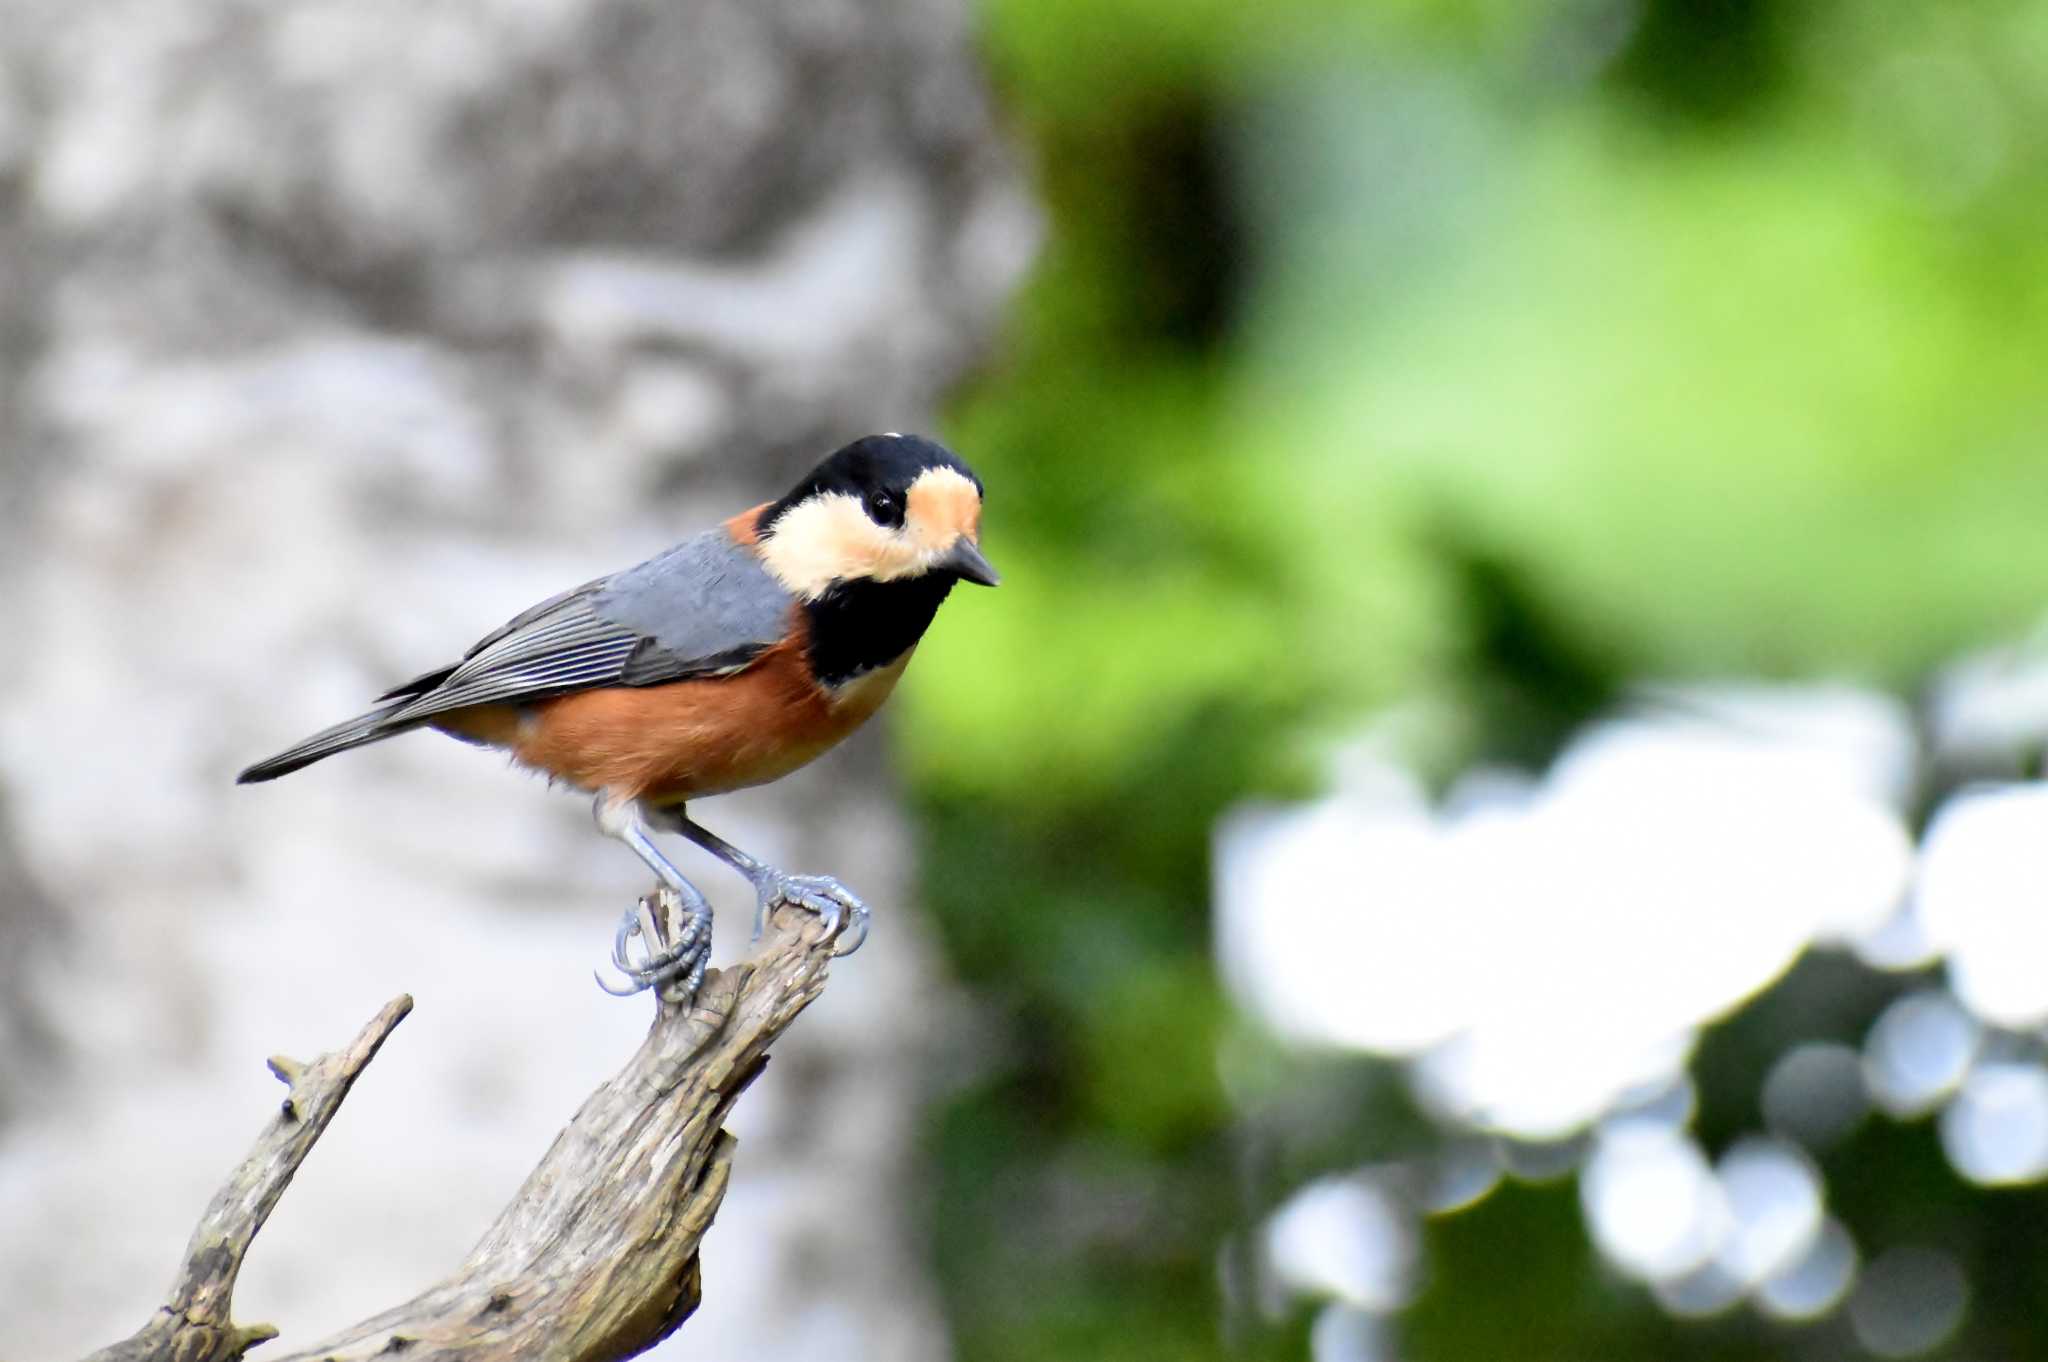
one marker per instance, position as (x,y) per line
(727,661)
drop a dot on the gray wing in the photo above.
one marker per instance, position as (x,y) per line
(704,608)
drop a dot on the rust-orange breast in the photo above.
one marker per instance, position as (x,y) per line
(673,742)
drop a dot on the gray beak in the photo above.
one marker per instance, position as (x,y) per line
(964,561)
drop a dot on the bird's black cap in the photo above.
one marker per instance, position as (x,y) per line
(873,463)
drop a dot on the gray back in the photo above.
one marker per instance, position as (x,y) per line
(703,608)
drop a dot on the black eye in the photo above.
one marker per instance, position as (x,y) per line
(885,508)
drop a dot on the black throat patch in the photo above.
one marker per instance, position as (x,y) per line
(859,626)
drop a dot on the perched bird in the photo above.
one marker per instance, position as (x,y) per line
(730,660)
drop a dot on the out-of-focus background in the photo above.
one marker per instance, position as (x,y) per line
(1495,815)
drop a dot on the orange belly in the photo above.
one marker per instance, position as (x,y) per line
(676,741)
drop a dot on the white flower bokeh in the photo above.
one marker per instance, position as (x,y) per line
(1541,955)
(1548,947)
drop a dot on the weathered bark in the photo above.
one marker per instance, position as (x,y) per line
(195,1323)
(596,1258)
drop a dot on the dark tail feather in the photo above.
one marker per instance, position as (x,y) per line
(364,728)
(419,685)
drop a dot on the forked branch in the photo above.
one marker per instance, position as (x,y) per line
(596,1258)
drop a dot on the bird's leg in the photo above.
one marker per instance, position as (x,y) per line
(662,957)
(840,907)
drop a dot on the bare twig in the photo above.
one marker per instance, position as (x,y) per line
(194,1325)
(597,1256)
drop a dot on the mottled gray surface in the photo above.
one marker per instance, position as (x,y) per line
(332,334)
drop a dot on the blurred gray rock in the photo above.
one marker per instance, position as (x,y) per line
(332,334)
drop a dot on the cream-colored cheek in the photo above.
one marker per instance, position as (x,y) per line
(826,540)
(831,538)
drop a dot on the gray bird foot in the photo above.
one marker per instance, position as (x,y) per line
(663,957)
(845,916)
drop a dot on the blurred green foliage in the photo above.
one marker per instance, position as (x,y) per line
(1499,352)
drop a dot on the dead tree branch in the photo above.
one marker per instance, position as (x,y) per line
(596,1258)
(194,1324)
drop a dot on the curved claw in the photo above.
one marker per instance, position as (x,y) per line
(687,954)
(622,956)
(839,908)
(859,931)
(625,990)
(661,970)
